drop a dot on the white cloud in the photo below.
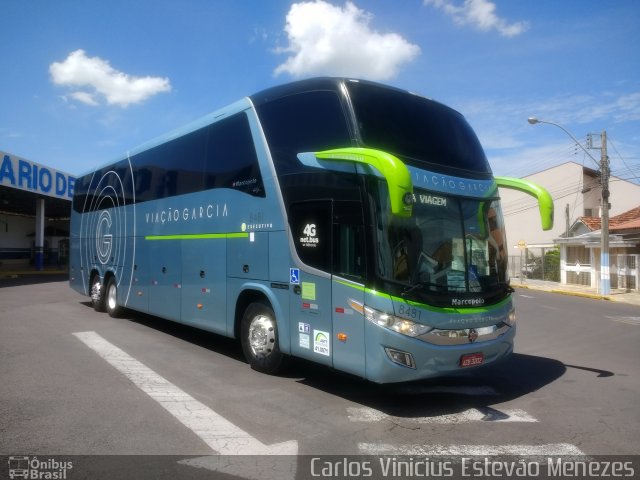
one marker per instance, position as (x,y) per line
(97,80)
(480,14)
(85,97)
(329,40)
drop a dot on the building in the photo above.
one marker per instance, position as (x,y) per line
(577,195)
(580,252)
(35,206)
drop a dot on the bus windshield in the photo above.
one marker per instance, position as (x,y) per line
(450,247)
(419,131)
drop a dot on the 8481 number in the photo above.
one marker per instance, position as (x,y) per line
(408,311)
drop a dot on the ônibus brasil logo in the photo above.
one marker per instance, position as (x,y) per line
(35,468)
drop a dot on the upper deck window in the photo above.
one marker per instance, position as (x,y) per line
(422,132)
(304,122)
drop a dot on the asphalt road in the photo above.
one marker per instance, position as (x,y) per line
(572,387)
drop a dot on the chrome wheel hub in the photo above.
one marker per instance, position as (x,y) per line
(262,336)
(111,297)
(96,291)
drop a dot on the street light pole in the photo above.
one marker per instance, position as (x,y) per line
(605,285)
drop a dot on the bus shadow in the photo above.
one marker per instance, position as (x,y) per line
(202,338)
(517,376)
(513,378)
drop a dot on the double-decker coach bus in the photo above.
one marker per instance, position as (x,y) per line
(342,221)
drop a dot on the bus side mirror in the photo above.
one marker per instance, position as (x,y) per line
(545,202)
(389,167)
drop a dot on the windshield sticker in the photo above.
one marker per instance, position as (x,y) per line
(305,341)
(432,200)
(321,342)
(304,327)
(310,239)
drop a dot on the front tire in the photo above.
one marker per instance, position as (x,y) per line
(111,299)
(259,338)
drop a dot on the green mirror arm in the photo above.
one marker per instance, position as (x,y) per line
(392,169)
(545,202)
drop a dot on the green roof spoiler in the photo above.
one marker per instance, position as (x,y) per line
(545,202)
(392,169)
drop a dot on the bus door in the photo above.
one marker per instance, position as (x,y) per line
(165,274)
(348,287)
(311,307)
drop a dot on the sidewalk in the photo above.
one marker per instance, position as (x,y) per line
(622,296)
(30,271)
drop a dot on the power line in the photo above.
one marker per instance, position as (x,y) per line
(631,171)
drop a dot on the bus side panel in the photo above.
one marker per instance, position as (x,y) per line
(279,257)
(204,284)
(311,330)
(165,271)
(140,283)
(348,326)
(248,257)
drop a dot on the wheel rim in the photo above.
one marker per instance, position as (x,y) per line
(262,336)
(111,296)
(96,291)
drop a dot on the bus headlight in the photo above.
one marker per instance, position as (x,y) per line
(400,325)
(511,318)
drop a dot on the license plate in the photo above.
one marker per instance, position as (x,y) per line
(471,359)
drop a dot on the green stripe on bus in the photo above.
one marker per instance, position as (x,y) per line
(197,236)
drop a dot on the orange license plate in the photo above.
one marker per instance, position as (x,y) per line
(471,359)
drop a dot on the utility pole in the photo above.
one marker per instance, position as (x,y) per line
(605,282)
(605,278)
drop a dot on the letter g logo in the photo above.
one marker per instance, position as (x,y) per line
(104,240)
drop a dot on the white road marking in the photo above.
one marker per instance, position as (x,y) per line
(487,414)
(551,449)
(627,320)
(525,296)
(216,431)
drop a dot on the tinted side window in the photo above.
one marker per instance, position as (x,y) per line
(231,160)
(220,155)
(172,168)
(348,240)
(305,122)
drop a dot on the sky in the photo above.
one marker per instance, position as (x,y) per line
(84,82)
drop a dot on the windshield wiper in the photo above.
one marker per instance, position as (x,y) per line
(412,288)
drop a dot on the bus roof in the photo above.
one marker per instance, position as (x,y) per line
(318,83)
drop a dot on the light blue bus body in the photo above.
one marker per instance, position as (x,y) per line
(240,258)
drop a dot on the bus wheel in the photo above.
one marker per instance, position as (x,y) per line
(259,338)
(113,309)
(97,294)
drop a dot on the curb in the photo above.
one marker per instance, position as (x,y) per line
(31,273)
(594,296)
